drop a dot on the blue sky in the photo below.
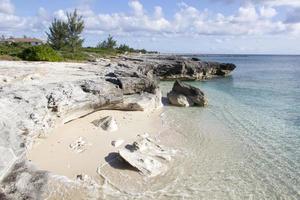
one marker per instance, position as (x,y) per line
(177,26)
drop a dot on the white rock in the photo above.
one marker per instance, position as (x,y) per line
(178,99)
(79,145)
(117,143)
(147,156)
(147,165)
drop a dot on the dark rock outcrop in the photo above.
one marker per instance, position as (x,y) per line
(186,95)
(168,67)
(191,69)
(133,82)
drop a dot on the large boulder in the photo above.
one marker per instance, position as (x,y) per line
(186,95)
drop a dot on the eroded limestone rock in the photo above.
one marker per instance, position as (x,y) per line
(35,97)
(147,156)
(183,94)
(24,182)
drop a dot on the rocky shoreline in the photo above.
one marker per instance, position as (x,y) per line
(35,97)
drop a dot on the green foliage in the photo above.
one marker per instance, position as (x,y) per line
(57,37)
(66,35)
(74,56)
(41,53)
(12,49)
(125,48)
(109,43)
(100,52)
(75,28)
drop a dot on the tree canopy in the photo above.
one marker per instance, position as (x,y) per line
(66,35)
(109,43)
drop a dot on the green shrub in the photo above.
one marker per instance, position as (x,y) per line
(74,56)
(41,53)
(12,49)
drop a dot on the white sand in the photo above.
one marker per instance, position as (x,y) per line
(54,154)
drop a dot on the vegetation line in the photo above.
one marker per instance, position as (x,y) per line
(64,43)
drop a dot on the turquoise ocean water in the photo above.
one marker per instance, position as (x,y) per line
(246,143)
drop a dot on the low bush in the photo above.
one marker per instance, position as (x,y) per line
(41,53)
(14,49)
(74,56)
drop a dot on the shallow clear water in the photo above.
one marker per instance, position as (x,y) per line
(244,145)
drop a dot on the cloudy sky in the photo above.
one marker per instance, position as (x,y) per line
(177,26)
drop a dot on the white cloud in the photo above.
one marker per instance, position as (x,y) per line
(249,19)
(10,22)
(246,14)
(60,14)
(275,3)
(42,12)
(6,7)
(291,3)
(158,12)
(267,12)
(137,7)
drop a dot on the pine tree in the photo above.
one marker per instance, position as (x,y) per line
(66,35)
(75,28)
(109,43)
(58,34)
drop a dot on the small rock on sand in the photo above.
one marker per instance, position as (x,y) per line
(107,123)
(117,143)
(79,145)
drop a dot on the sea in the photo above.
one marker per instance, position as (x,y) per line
(246,143)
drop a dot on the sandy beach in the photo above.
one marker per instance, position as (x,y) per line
(53,152)
(65,157)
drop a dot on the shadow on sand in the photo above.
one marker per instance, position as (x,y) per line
(115,161)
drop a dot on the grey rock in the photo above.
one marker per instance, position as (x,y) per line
(186,95)
(107,123)
(179,99)
(24,182)
(171,67)
(117,143)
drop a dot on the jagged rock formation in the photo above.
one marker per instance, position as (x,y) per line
(147,156)
(35,97)
(174,67)
(186,95)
